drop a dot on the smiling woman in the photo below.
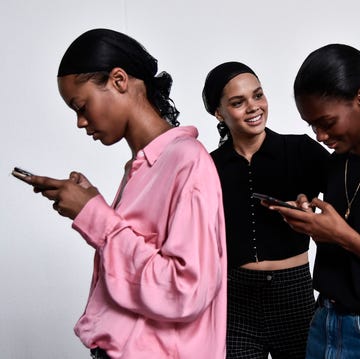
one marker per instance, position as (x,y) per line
(332,120)
(327,95)
(269,275)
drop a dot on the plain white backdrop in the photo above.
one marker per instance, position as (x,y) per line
(45,266)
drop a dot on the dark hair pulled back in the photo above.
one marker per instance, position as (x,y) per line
(330,71)
(101,50)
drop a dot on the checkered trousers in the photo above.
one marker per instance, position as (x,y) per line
(269,312)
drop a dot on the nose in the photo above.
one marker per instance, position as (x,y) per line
(252,107)
(321,135)
(81,121)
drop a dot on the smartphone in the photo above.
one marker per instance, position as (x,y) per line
(274,201)
(21,173)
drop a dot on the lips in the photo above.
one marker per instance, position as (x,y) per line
(94,134)
(90,132)
(331,145)
(254,119)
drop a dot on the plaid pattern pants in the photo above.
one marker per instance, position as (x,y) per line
(269,312)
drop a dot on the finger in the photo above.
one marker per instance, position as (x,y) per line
(318,203)
(52,195)
(303,202)
(75,176)
(301,197)
(56,205)
(41,182)
(57,208)
(83,181)
(290,213)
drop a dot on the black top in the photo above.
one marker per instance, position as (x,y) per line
(283,167)
(337,271)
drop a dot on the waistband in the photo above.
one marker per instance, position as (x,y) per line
(97,353)
(339,308)
(281,275)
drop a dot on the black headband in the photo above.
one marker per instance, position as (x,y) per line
(102,50)
(216,80)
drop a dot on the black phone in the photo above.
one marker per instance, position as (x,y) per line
(20,173)
(274,201)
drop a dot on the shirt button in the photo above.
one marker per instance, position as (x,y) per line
(269,277)
(141,153)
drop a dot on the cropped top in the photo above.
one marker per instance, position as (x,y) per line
(283,167)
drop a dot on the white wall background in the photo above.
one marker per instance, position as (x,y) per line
(45,266)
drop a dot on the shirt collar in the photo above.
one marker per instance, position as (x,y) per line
(153,150)
(271,146)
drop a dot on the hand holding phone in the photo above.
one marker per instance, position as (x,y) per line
(21,174)
(69,195)
(274,201)
(24,175)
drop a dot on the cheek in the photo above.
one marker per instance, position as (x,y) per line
(106,116)
(353,130)
(265,106)
(232,119)
(265,109)
(235,114)
(105,104)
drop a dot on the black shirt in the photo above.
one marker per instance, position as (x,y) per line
(336,270)
(283,167)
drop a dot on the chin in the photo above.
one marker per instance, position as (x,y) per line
(341,149)
(109,142)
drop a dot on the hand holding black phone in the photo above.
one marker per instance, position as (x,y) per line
(21,174)
(274,201)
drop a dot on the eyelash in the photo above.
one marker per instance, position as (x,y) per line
(257,96)
(237,103)
(80,110)
(325,127)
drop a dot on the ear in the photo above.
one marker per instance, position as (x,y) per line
(119,78)
(218,116)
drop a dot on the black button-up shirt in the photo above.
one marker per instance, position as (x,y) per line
(283,167)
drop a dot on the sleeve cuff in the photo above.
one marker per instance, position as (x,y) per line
(95,221)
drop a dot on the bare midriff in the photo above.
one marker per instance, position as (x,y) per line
(291,262)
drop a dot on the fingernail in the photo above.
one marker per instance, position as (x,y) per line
(305,205)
